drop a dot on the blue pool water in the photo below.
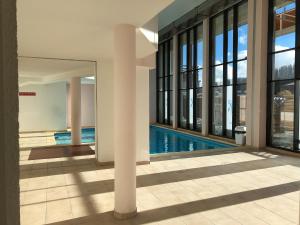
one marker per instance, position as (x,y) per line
(64,138)
(161,140)
(165,140)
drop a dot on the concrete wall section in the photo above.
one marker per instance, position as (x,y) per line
(9,150)
(105,141)
(152,93)
(142,114)
(45,111)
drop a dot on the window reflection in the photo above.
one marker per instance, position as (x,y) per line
(183,109)
(284,25)
(282,114)
(242,72)
(242,31)
(241,104)
(229,110)
(200,46)
(217,111)
(217,33)
(284,65)
(218,75)
(183,52)
(230,36)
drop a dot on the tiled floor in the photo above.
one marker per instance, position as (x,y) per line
(255,188)
(36,139)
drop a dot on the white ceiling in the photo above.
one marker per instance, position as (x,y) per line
(80,29)
(42,71)
(175,10)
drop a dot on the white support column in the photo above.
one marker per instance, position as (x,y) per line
(250,69)
(175,81)
(259,75)
(75,90)
(9,132)
(124,120)
(205,77)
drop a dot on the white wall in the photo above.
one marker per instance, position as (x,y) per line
(105,94)
(87,105)
(45,111)
(142,114)
(152,92)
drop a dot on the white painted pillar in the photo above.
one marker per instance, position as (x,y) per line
(250,69)
(124,120)
(205,77)
(259,91)
(75,90)
(9,133)
(175,81)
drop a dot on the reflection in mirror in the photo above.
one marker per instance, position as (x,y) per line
(45,100)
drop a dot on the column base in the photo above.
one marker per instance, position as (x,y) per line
(124,216)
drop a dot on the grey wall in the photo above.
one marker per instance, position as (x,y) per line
(9,146)
(152,94)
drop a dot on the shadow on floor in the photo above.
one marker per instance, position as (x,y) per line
(163,213)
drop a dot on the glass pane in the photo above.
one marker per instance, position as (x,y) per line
(183,111)
(166,55)
(171,107)
(199,109)
(229,73)
(191,104)
(191,50)
(199,78)
(217,78)
(171,56)
(160,84)
(284,25)
(183,80)
(230,36)
(242,72)
(217,111)
(183,52)
(283,65)
(282,114)
(166,83)
(242,31)
(166,106)
(229,110)
(241,105)
(217,33)
(160,107)
(200,46)
(191,80)
(160,60)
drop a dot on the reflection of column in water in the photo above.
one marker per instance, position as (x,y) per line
(166,142)
(191,146)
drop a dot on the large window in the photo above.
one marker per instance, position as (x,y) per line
(165,83)
(190,83)
(228,70)
(283,75)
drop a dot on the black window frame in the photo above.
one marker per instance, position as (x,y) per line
(166,87)
(235,60)
(192,68)
(295,80)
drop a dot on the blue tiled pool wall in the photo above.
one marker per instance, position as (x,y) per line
(162,140)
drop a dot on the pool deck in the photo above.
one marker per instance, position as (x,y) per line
(214,187)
